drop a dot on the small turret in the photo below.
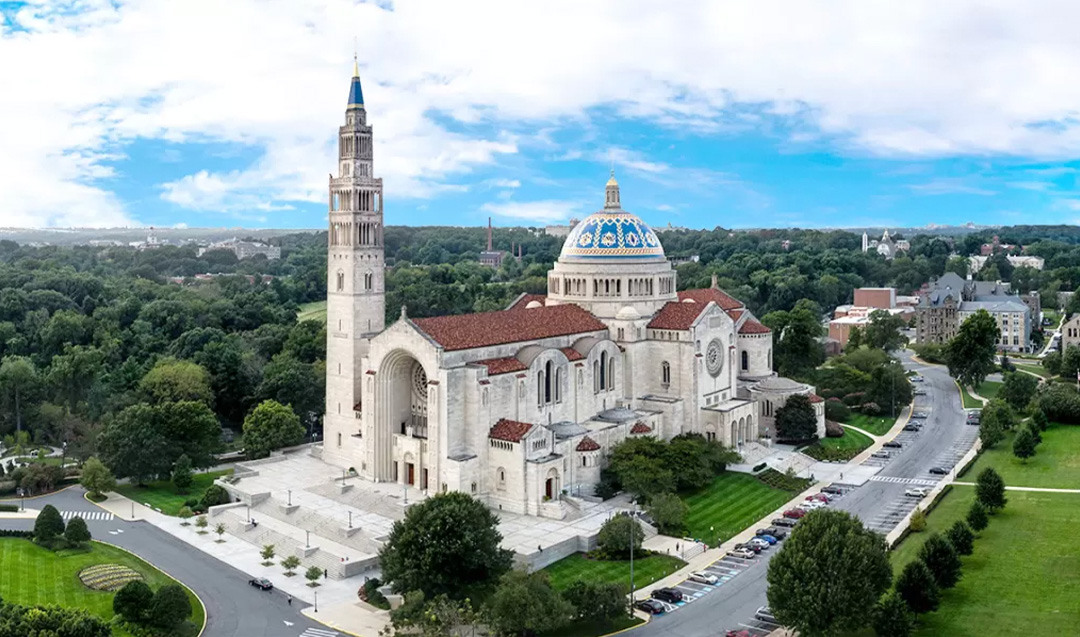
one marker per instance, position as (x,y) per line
(611,199)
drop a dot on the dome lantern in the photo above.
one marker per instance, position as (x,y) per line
(611,194)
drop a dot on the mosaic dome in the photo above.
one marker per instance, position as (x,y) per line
(612,234)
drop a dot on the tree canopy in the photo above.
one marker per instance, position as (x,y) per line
(796,420)
(271,426)
(970,354)
(144,440)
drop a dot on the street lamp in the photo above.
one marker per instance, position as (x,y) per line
(290,497)
(307,539)
(316,601)
(350,519)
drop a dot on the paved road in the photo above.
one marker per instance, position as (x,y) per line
(880,503)
(234,609)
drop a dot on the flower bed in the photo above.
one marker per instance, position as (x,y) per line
(107,577)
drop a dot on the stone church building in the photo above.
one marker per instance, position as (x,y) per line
(521,406)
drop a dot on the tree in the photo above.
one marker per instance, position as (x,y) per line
(173,380)
(271,426)
(420,555)
(292,382)
(855,338)
(290,564)
(267,554)
(644,477)
(596,601)
(976,517)
(1040,420)
(918,521)
(916,586)
(525,604)
(1052,363)
(796,420)
(1018,389)
(132,602)
(312,575)
(48,525)
(961,537)
(990,490)
(181,474)
(970,354)
(96,477)
(19,381)
(144,441)
(892,618)
(1024,444)
(942,560)
(889,386)
(51,621)
(76,532)
(669,512)
(884,331)
(170,607)
(214,495)
(201,522)
(796,348)
(991,430)
(220,530)
(828,575)
(616,535)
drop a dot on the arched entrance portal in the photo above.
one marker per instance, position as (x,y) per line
(551,484)
(401,397)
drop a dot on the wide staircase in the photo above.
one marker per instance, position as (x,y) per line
(754,452)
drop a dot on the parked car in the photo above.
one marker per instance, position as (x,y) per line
(650,606)
(811,505)
(764,544)
(832,490)
(261,583)
(892,444)
(744,553)
(939,471)
(765,614)
(788,522)
(920,392)
(754,548)
(911,426)
(881,453)
(920,414)
(973,417)
(768,538)
(794,513)
(738,633)
(820,497)
(777,532)
(917,492)
(916,379)
(669,595)
(702,577)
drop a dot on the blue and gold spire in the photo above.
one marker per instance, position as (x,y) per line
(356,93)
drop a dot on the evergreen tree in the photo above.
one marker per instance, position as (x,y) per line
(916,586)
(990,490)
(181,474)
(76,532)
(961,537)
(1040,420)
(1024,444)
(132,602)
(941,558)
(976,517)
(48,525)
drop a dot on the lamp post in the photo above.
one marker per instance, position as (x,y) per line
(316,601)
(405,487)
(290,497)
(307,539)
(132,509)
(249,512)
(350,519)
(342,477)
(632,527)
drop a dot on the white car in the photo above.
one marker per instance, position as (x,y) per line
(703,578)
(811,505)
(880,454)
(759,542)
(917,492)
(746,554)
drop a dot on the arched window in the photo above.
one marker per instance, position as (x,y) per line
(558,384)
(368,281)
(548,374)
(603,370)
(665,373)
(596,376)
(611,373)
(745,361)
(540,388)
(340,281)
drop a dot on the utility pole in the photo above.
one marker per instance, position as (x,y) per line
(633,527)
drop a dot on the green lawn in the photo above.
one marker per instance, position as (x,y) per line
(1056,463)
(163,495)
(33,575)
(315,311)
(989,389)
(843,448)
(970,402)
(877,425)
(731,503)
(577,567)
(1034,369)
(1024,576)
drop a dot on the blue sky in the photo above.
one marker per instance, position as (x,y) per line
(713,113)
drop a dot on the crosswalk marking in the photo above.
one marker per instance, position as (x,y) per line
(318,632)
(87,515)
(895,480)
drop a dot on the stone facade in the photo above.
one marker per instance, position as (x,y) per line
(522,406)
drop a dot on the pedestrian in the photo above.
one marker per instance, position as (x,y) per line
(676,547)
(324,573)
(290,600)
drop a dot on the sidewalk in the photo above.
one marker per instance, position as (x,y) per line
(1037,489)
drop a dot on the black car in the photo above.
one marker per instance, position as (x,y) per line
(650,606)
(912,427)
(750,547)
(669,595)
(788,522)
(892,444)
(777,532)
(939,471)
(832,489)
(261,583)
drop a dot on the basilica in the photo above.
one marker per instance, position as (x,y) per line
(522,406)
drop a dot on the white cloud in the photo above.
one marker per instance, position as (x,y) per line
(948,186)
(502,183)
(920,79)
(541,211)
(665,208)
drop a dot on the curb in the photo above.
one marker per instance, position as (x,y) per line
(206,615)
(330,625)
(43,495)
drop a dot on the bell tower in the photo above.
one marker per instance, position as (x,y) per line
(355,307)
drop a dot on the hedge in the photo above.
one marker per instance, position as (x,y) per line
(9,508)
(14,533)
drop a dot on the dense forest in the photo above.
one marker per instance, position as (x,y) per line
(82,327)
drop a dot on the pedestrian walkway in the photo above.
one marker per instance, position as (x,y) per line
(103,516)
(1036,489)
(319,632)
(916,481)
(862,431)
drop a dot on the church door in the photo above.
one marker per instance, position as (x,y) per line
(410,473)
(549,488)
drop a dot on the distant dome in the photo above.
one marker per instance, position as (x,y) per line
(532,304)
(689,300)
(611,235)
(628,313)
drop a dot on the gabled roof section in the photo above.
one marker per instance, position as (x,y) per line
(484,329)
(509,430)
(676,316)
(814,398)
(752,326)
(524,299)
(571,353)
(716,295)
(640,428)
(496,366)
(588,444)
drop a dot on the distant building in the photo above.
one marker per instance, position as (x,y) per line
(491,257)
(1070,333)
(977,263)
(886,247)
(560,231)
(694,258)
(950,300)
(244,249)
(995,246)
(671,228)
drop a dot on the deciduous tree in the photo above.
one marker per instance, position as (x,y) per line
(170,607)
(669,512)
(1018,389)
(96,477)
(76,532)
(616,535)
(525,603)
(961,537)
(976,517)
(271,426)
(970,354)
(796,420)
(132,602)
(990,490)
(19,383)
(916,586)
(290,563)
(892,618)
(796,348)
(174,380)
(181,474)
(942,560)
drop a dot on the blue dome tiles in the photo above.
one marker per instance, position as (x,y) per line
(612,235)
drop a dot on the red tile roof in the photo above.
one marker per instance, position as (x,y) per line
(736,314)
(509,430)
(814,398)
(467,331)
(505,365)
(588,444)
(526,299)
(640,428)
(676,316)
(571,353)
(720,297)
(751,326)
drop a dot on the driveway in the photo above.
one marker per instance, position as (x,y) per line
(880,503)
(233,608)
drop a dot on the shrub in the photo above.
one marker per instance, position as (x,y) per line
(9,508)
(132,602)
(76,532)
(184,513)
(214,495)
(596,601)
(837,410)
(369,593)
(833,429)
(918,521)
(870,409)
(48,525)
(615,537)
(169,607)
(854,399)
(191,502)
(760,467)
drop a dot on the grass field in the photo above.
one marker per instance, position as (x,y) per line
(577,567)
(731,503)
(877,425)
(989,389)
(590,629)
(1022,579)
(34,575)
(970,402)
(315,311)
(1034,369)
(845,447)
(1056,463)
(163,495)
